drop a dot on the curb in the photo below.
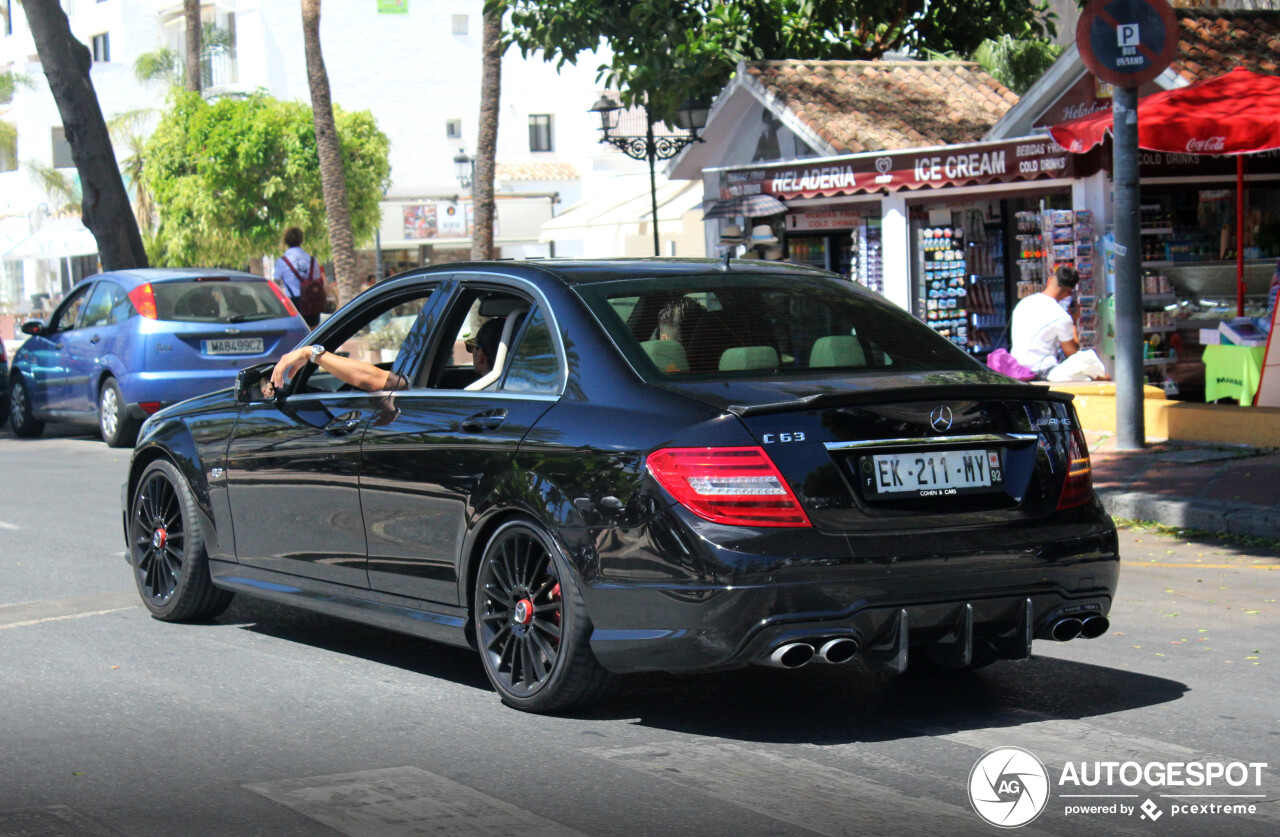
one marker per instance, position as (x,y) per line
(1209,515)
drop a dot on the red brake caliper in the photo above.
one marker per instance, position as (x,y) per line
(555,597)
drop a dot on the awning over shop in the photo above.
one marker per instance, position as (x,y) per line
(751,206)
(1235,113)
(971,164)
(626,201)
(55,240)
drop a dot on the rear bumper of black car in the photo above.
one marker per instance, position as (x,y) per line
(940,593)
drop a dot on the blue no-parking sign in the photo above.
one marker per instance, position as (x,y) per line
(1127,42)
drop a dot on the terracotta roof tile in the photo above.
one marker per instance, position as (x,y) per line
(1212,43)
(883,105)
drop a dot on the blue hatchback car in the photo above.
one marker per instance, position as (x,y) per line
(124,344)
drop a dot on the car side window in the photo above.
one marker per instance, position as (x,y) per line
(66,317)
(478,318)
(121,306)
(97,312)
(379,336)
(534,366)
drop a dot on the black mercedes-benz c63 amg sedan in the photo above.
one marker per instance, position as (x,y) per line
(672,465)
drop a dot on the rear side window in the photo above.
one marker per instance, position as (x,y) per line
(215,301)
(740,325)
(534,366)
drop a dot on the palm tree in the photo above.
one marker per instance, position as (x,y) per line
(128,130)
(487,135)
(333,179)
(62,190)
(191,11)
(106,208)
(9,82)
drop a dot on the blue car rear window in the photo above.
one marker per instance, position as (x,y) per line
(216,301)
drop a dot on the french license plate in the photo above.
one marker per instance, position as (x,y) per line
(934,473)
(234,346)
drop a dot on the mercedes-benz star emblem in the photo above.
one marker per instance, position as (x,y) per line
(940,419)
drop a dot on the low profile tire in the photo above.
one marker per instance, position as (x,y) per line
(25,426)
(532,627)
(118,428)
(166,548)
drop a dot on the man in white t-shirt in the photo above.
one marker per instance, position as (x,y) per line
(1041,325)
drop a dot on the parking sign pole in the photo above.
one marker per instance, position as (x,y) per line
(1130,421)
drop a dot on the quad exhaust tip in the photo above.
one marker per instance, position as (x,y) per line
(1066,629)
(1094,627)
(797,654)
(791,655)
(839,650)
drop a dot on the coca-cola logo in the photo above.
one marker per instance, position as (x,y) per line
(1195,145)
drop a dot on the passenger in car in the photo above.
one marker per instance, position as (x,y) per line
(677,318)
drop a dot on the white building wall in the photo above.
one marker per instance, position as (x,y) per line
(409,70)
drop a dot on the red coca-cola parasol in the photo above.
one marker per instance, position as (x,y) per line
(1236,113)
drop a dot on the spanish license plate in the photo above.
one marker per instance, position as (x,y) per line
(935,473)
(234,346)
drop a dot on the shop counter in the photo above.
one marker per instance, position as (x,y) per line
(1232,372)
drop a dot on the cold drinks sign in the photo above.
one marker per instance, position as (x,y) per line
(1127,42)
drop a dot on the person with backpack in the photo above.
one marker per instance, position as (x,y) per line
(301,278)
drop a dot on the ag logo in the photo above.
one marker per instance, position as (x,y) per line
(1008,787)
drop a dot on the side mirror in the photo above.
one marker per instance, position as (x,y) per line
(253,383)
(33,327)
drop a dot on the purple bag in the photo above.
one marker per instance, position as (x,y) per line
(1001,361)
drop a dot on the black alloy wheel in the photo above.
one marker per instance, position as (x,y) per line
(166,548)
(25,426)
(531,625)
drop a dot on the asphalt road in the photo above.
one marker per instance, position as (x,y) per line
(273,721)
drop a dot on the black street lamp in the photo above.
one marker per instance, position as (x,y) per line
(465,168)
(692,117)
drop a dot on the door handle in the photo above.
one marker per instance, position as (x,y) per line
(343,424)
(488,420)
(94,339)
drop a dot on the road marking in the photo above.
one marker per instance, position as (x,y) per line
(9,527)
(804,793)
(53,821)
(1201,566)
(75,607)
(403,801)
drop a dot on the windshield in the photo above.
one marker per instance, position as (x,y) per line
(738,325)
(216,301)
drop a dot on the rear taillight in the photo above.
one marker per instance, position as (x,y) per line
(284,300)
(149,407)
(144,300)
(1077,488)
(738,486)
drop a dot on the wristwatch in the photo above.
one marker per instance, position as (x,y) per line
(316,351)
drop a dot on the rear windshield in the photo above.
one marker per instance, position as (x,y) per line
(736,325)
(216,301)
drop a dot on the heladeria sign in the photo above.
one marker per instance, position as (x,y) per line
(960,165)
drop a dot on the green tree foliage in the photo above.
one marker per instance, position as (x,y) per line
(664,51)
(228,177)
(1016,63)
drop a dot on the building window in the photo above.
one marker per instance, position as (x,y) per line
(453,128)
(540,132)
(61,150)
(459,24)
(102,47)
